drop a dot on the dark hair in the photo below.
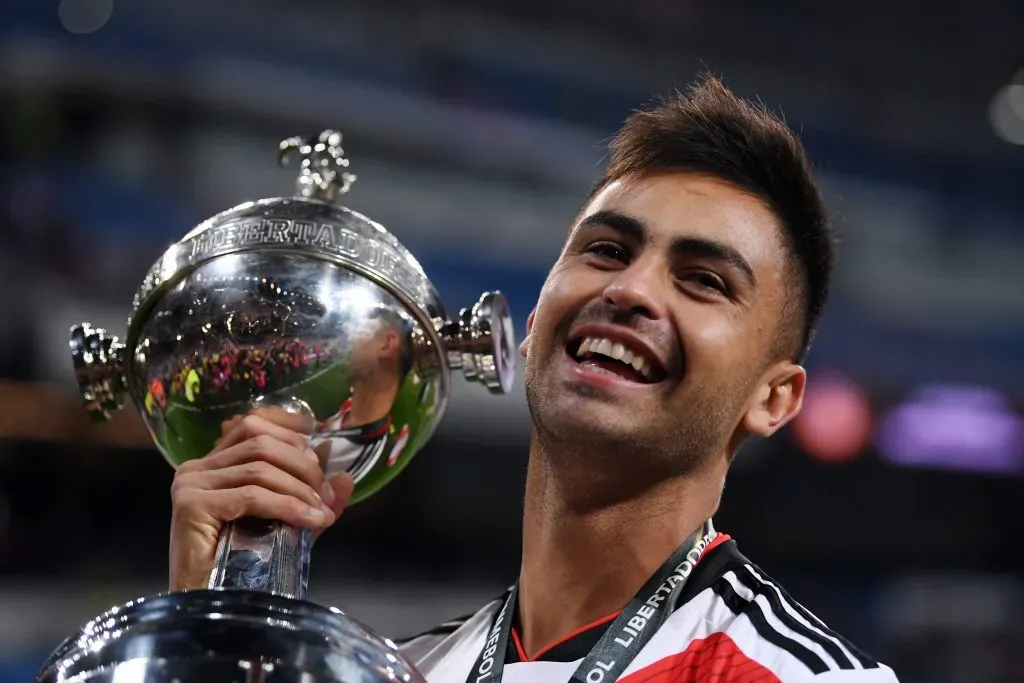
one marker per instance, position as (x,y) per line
(710,131)
(393,321)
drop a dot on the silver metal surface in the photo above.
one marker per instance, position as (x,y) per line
(310,314)
(298,298)
(279,324)
(222,637)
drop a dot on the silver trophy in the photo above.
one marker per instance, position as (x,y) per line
(312,312)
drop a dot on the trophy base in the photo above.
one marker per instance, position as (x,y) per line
(225,636)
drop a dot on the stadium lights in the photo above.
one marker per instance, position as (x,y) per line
(84,16)
(1006,111)
(968,429)
(836,421)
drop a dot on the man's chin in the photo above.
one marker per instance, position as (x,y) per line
(601,425)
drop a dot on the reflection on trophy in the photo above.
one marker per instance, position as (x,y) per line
(354,438)
(307,309)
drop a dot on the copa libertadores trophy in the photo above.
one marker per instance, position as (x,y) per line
(317,317)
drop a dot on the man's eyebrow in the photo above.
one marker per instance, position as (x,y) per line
(620,222)
(701,247)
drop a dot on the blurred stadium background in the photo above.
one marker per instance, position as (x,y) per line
(892,508)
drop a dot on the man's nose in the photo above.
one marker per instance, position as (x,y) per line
(639,289)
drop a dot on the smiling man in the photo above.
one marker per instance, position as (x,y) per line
(671,329)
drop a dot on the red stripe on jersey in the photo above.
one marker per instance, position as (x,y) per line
(719,540)
(581,629)
(519,646)
(380,431)
(715,659)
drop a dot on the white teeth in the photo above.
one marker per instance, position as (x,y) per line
(616,350)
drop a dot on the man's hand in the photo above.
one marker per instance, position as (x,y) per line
(261,467)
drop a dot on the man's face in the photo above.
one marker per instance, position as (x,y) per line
(654,326)
(376,352)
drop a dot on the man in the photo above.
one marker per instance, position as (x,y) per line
(669,331)
(354,438)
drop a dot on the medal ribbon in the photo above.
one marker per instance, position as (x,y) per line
(628,634)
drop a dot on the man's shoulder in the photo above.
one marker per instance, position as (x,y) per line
(428,647)
(742,617)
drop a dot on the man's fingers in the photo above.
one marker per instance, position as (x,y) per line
(255,501)
(300,463)
(264,421)
(257,473)
(262,468)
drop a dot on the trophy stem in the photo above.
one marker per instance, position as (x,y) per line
(265,555)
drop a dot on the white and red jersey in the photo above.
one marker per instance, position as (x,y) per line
(735,625)
(348,449)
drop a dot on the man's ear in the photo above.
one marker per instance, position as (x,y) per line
(777,400)
(523,345)
(389,348)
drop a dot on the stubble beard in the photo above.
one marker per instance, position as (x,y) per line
(663,449)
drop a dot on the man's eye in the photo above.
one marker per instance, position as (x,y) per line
(706,280)
(608,250)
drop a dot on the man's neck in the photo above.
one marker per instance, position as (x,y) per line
(371,401)
(586,556)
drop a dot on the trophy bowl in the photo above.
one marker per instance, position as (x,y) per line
(303,308)
(226,636)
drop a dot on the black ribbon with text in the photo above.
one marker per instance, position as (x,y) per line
(631,630)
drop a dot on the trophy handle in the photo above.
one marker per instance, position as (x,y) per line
(265,555)
(481,342)
(99,369)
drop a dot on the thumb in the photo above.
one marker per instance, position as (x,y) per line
(342,485)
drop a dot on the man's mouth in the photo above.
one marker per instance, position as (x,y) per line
(616,358)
